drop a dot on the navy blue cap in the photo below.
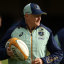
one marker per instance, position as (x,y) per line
(32,8)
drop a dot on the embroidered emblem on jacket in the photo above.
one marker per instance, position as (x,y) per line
(40,33)
(20,34)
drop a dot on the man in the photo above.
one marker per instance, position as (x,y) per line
(59,37)
(37,37)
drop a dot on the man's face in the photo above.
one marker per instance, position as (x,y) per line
(33,20)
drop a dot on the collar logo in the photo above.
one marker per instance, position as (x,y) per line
(20,34)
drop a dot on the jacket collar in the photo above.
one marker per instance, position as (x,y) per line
(23,24)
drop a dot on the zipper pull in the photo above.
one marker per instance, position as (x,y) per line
(31,34)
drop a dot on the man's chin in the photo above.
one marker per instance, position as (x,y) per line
(37,25)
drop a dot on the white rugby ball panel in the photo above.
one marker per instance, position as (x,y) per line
(7,44)
(23,46)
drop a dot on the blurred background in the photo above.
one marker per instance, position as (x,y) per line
(12,11)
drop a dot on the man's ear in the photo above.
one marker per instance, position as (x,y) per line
(25,16)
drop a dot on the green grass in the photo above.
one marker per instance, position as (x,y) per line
(5,61)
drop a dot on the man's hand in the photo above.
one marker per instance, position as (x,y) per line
(37,61)
(9,52)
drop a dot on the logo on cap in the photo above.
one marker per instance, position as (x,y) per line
(36,6)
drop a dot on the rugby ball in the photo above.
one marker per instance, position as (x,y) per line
(19,48)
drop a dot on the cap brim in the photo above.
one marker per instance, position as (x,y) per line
(44,13)
(38,12)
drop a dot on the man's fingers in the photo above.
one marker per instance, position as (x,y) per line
(9,52)
(37,61)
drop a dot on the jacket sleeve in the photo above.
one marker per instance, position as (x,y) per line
(3,53)
(56,53)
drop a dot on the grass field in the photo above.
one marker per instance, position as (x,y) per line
(5,62)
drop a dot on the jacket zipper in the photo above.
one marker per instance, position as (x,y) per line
(31,48)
